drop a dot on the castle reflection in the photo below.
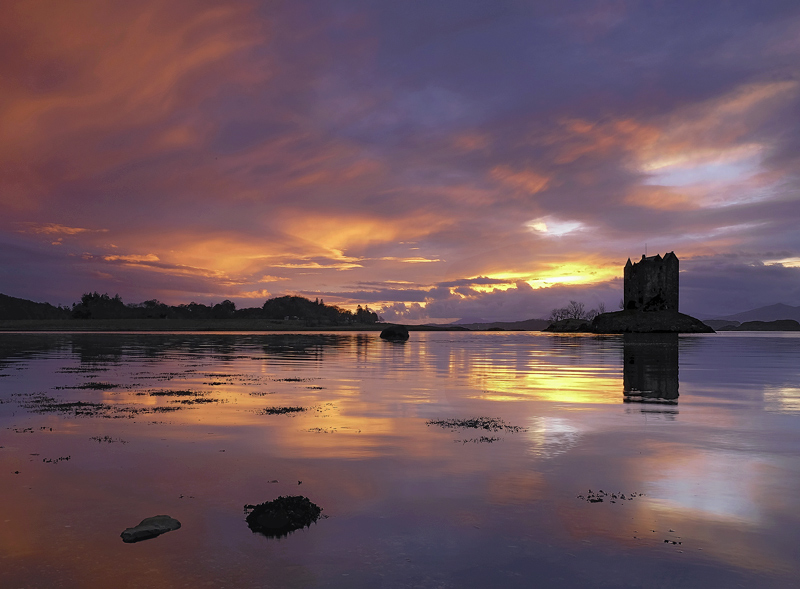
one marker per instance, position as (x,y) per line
(650,371)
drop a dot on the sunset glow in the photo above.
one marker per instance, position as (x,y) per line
(186,150)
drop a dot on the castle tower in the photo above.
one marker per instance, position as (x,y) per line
(651,284)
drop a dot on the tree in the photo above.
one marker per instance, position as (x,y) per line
(366,316)
(94,305)
(576,310)
(224,309)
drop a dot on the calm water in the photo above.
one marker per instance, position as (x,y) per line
(700,434)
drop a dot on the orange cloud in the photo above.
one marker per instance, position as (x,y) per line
(661,198)
(254,294)
(56,229)
(579,138)
(527,181)
(335,233)
(131,258)
(471,141)
(76,74)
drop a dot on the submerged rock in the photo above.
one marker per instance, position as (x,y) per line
(281,516)
(150,528)
(395,333)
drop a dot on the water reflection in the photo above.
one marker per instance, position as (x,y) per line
(409,504)
(650,370)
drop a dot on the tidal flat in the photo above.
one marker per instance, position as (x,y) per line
(455,459)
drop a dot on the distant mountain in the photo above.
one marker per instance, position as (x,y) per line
(14,308)
(470,320)
(768,313)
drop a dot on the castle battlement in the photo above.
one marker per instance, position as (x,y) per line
(651,284)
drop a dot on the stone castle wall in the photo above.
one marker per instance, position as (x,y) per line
(651,284)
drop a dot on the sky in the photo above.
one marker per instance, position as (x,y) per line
(434,160)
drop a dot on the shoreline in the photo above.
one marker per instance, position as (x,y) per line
(183,325)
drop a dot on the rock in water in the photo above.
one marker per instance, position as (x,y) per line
(395,333)
(283,515)
(150,528)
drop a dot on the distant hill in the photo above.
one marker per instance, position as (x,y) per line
(717,324)
(470,321)
(526,325)
(14,308)
(777,325)
(768,313)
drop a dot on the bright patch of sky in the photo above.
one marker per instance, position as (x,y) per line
(788,262)
(553,226)
(685,173)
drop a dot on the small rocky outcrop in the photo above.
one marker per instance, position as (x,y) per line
(281,516)
(570,326)
(395,333)
(632,321)
(150,527)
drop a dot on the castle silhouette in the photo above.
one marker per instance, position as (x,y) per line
(651,284)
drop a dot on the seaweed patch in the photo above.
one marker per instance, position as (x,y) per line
(91,386)
(280,517)
(280,410)
(480,440)
(492,424)
(600,496)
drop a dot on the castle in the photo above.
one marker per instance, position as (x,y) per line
(651,284)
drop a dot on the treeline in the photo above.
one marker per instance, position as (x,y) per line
(102,306)
(14,308)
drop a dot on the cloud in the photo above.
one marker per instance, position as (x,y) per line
(719,285)
(89,87)
(133,258)
(550,225)
(492,159)
(517,303)
(56,229)
(527,181)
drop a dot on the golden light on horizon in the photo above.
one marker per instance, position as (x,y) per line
(574,273)
(493,287)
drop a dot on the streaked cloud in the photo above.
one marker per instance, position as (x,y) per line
(56,229)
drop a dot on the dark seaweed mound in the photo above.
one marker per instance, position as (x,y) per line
(278,518)
(279,410)
(492,424)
